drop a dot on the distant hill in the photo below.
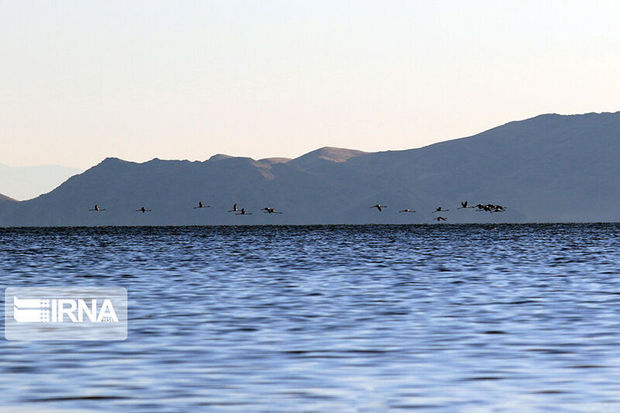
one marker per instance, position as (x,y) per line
(327,154)
(4,198)
(31,181)
(550,168)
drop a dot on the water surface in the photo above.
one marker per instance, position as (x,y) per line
(346,318)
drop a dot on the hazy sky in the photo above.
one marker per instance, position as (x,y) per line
(80,81)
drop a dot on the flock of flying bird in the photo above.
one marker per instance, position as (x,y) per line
(268,210)
(234,209)
(464,205)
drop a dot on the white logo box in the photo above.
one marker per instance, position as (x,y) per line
(65,313)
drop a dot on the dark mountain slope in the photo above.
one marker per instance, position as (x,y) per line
(549,168)
(4,198)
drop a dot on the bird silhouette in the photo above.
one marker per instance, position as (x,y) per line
(439,219)
(490,208)
(464,205)
(439,209)
(268,210)
(407,210)
(201,205)
(379,207)
(243,212)
(234,208)
(143,210)
(97,209)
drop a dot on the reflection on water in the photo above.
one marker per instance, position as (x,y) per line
(363,318)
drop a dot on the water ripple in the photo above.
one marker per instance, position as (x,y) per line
(348,318)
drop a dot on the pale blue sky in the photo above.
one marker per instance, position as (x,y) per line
(80,81)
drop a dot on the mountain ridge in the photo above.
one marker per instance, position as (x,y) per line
(550,168)
(27,182)
(4,198)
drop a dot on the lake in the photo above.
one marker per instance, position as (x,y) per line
(327,318)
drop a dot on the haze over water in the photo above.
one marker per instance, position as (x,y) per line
(366,318)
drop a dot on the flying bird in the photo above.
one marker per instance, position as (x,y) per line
(143,210)
(407,210)
(463,205)
(439,209)
(490,208)
(243,212)
(234,208)
(201,205)
(270,211)
(97,209)
(379,207)
(439,219)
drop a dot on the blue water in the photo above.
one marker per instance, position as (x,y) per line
(350,318)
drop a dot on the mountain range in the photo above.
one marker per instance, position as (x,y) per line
(27,182)
(550,168)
